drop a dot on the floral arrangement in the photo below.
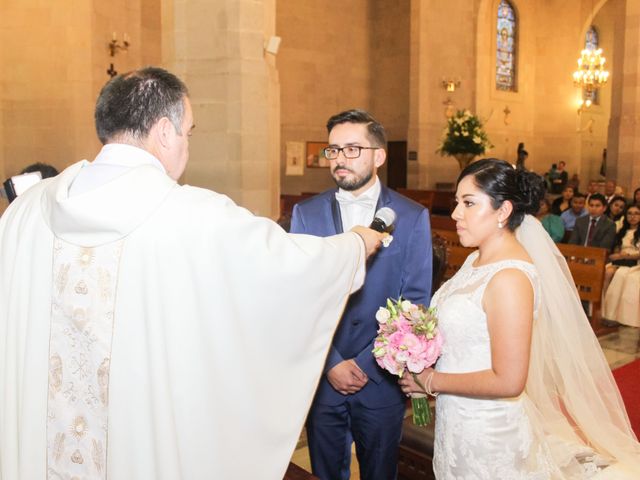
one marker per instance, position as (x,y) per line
(464,134)
(408,340)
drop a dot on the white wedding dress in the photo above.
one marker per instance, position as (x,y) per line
(531,436)
(480,438)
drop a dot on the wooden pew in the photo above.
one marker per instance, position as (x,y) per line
(456,253)
(437,201)
(587,266)
(423,197)
(288,201)
(441,222)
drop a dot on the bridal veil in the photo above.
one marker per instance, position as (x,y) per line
(575,397)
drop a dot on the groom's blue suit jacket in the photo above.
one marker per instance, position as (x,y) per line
(403,268)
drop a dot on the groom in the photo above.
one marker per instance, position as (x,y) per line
(356,400)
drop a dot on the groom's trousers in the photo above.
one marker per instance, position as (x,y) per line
(376,433)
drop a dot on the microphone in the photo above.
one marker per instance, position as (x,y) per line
(383,220)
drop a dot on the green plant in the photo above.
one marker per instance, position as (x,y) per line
(464,134)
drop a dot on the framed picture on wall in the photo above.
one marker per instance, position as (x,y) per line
(315,155)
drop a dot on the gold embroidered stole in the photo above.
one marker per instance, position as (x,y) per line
(82,315)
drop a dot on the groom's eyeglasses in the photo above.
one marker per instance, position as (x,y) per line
(350,151)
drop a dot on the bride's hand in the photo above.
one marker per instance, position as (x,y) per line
(408,385)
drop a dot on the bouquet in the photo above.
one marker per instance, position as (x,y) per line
(408,340)
(463,134)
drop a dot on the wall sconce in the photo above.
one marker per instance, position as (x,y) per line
(450,85)
(115,46)
(583,105)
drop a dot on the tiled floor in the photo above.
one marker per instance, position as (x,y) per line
(619,348)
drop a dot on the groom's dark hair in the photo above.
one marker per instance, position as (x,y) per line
(376,131)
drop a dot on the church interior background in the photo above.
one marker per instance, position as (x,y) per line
(264,76)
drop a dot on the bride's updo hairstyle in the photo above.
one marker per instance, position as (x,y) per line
(502,182)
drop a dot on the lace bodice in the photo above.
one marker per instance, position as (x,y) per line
(462,320)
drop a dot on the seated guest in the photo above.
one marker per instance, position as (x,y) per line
(552,223)
(622,297)
(45,169)
(576,211)
(610,190)
(615,211)
(591,189)
(563,202)
(595,229)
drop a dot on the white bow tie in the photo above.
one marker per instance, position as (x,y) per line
(346,199)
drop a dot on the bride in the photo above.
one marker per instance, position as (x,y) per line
(524,390)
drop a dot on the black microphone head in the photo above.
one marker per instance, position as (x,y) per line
(383,219)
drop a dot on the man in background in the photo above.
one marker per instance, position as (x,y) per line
(356,400)
(577,210)
(161,317)
(609,190)
(594,229)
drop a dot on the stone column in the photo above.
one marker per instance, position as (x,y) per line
(217,47)
(623,161)
(440,49)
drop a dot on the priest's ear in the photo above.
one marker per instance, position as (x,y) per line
(165,133)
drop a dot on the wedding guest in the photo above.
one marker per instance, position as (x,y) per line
(563,202)
(591,189)
(559,179)
(615,210)
(635,200)
(46,170)
(622,297)
(553,224)
(356,399)
(574,182)
(595,229)
(576,211)
(610,190)
(522,387)
(150,330)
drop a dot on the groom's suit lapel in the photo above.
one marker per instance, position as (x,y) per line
(335,212)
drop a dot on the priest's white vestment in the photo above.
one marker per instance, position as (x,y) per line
(214,326)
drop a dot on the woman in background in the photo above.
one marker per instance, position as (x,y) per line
(563,202)
(552,223)
(615,210)
(622,295)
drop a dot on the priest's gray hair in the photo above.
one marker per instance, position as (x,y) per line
(130,104)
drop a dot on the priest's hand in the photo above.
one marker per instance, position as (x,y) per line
(372,239)
(346,377)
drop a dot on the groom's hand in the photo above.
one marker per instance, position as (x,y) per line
(346,377)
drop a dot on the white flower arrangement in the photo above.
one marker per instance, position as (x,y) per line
(464,134)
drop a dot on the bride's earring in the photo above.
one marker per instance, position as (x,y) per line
(500,224)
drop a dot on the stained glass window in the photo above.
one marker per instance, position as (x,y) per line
(591,43)
(506,47)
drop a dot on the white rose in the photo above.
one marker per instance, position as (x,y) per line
(405,305)
(382,315)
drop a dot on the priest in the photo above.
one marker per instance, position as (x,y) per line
(155,331)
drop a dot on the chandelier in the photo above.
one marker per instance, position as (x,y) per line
(591,73)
